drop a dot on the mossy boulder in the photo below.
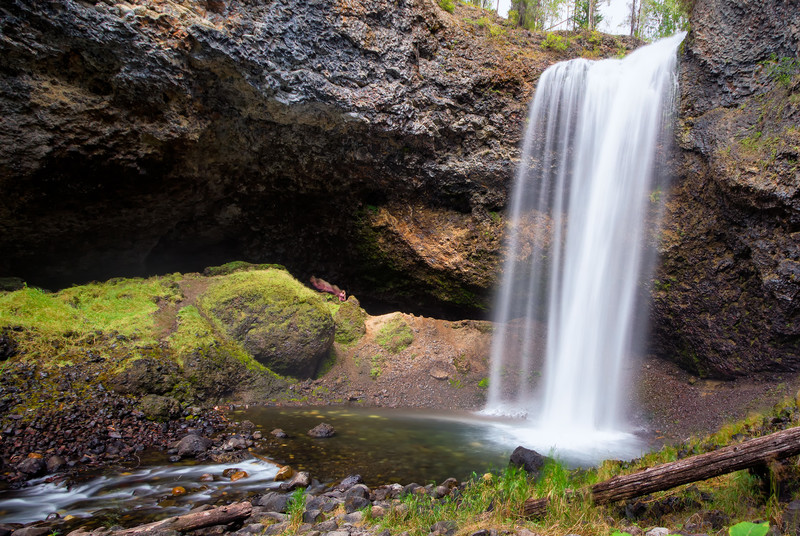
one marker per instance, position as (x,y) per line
(350,321)
(282,324)
(395,335)
(160,408)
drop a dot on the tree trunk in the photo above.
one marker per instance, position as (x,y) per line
(221,515)
(633,18)
(756,451)
(590,22)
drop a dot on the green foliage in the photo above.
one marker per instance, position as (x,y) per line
(535,14)
(555,42)
(296,507)
(661,18)
(581,16)
(447,5)
(746,528)
(484,383)
(395,336)
(781,69)
(483,4)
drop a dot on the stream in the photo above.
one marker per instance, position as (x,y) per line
(384,446)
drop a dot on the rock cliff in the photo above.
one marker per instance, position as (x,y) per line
(727,292)
(366,141)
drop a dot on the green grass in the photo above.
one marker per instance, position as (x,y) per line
(77,315)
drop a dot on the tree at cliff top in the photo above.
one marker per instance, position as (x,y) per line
(536,14)
(654,19)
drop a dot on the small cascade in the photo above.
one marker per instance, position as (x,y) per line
(576,256)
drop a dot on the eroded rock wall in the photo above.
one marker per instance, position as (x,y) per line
(146,136)
(727,292)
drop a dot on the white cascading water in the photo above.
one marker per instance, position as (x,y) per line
(576,246)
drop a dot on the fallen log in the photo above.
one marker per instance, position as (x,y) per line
(728,459)
(222,515)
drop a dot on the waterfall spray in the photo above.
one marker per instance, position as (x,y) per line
(567,304)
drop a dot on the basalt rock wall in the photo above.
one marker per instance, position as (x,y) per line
(370,142)
(727,291)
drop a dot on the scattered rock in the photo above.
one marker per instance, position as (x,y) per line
(279,433)
(377,512)
(32,467)
(300,479)
(193,445)
(444,528)
(354,503)
(326,526)
(528,459)
(349,481)
(322,430)
(274,502)
(312,516)
(657,531)
(55,463)
(238,475)
(284,473)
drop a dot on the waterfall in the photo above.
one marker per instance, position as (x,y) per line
(580,210)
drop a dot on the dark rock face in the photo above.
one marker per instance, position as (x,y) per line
(727,295)
(328,136)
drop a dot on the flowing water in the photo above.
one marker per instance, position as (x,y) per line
(585,197)
(383,445)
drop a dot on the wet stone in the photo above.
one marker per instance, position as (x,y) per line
(322,430)
(274,502)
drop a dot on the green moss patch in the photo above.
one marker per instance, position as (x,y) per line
(350,322)
(395,336)
(282,324)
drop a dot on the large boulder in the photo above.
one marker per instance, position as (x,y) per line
(283,325)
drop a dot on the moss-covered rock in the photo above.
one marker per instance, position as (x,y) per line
(282,324)
(350,321)
(395,336)
(160,408)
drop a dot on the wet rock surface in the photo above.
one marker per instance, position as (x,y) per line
(726,294)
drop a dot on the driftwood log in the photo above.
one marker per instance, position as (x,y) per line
(750,453)
(222,515)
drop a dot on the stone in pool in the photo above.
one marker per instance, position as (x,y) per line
(322,430)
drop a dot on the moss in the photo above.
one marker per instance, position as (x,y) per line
(349,320)
(239,266)
(281,323)
(75,317)
(395,336)
(447,5)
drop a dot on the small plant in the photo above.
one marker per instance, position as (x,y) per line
(376,370)
(484,383)
(781,69)
(746,528)
(447,5)
(555,42)
(296,507)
